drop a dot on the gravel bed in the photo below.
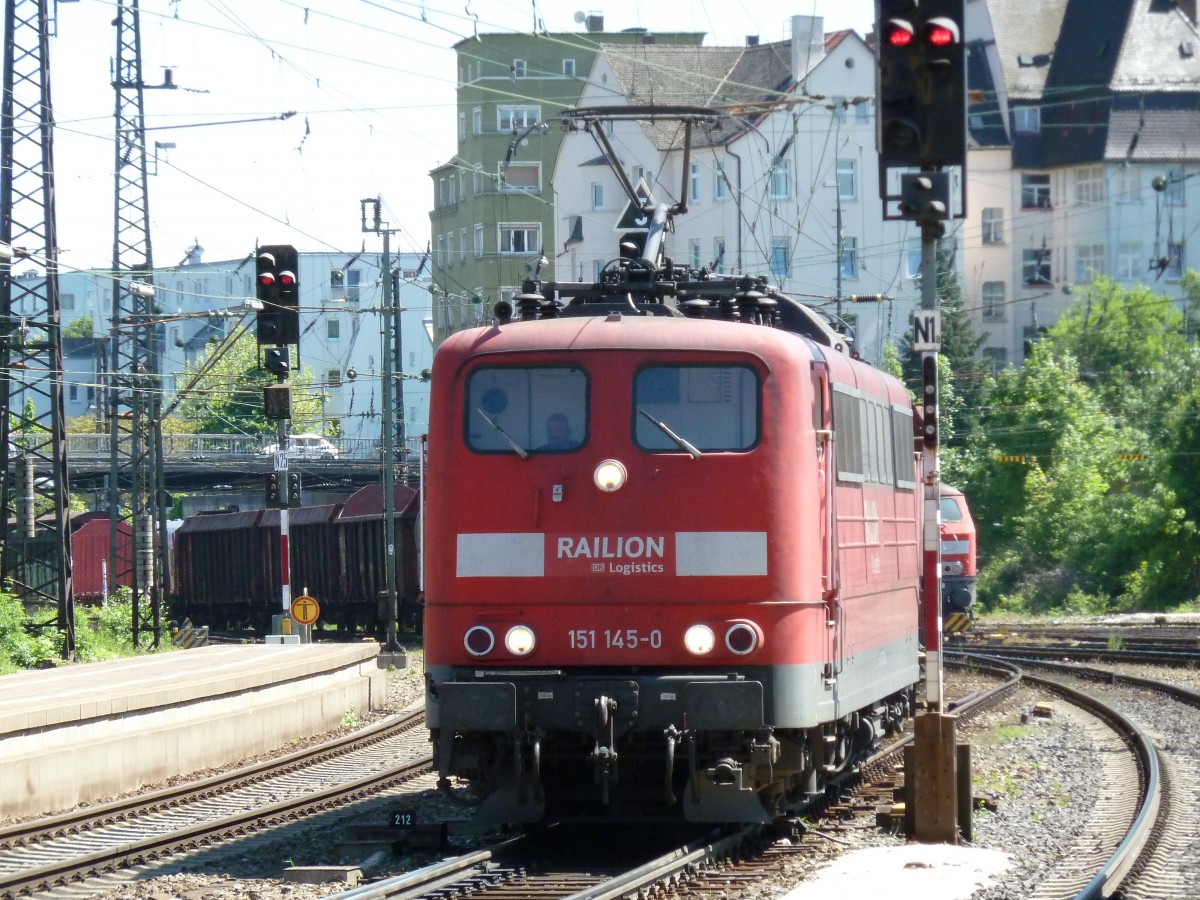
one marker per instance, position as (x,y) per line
(1032,778)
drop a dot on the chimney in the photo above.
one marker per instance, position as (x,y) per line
(193,254)
(752,40)
(595,22)
(808,44)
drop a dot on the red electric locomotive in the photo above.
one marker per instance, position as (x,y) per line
(957,533)
(672,551)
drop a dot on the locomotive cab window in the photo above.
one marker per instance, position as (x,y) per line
(526,409)
(949,509)
(709,407)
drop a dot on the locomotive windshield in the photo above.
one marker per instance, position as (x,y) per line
(950,510)
(526,409)
(709,407)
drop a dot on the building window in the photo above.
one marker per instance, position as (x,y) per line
(781,182)
(912,259)
(993,225)
(694,183)
(1174,192)
(1089,184)
(334,377)
(479,240)
(997,356)
(849,260)
(839,110)
(353,280)
(847,179)
(1035,191)
(993,300)
(1089,262)
(73,392)
(520,238)
(439,255)
(597,195)
(524,177)
(780,262)
(333,329)
(516,118)
(519,69)
(1027,119)
(719,255)
(462,126)
(66,301)
(477,120)
(569,68)
(862,111)
(720,189)
(695,255)
(1129,260)
(1035,266)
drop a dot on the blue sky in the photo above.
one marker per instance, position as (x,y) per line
(371,83)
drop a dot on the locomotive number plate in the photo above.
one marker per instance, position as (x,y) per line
(615,639)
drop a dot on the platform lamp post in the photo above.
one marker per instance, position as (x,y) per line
(372,223)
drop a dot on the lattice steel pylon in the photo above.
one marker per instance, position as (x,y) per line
(136,490)
(36,555)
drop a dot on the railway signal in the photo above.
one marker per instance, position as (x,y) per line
(921,83)
(277,289)
(277,401)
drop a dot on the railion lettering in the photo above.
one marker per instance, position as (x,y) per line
(612,547)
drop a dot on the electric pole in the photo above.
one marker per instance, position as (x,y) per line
(371,222)
(36,554)
(134,389)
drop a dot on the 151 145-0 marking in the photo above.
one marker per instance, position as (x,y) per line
(614,638)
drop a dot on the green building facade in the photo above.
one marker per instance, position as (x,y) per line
(493,219)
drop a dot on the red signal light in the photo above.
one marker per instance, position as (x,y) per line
(266,279)
(941,32)
(898,34)
(287,279)
(940,37)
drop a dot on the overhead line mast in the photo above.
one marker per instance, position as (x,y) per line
(134,391)
(36,555)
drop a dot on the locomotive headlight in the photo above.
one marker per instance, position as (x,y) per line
(520,640)
(610,476)
(479,640)
(742,638)
(954,567)
(699,640)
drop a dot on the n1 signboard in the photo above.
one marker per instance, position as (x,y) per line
(927,330)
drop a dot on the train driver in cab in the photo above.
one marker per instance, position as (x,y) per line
(558,433)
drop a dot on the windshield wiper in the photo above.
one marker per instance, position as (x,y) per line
(517,448)
(679,442)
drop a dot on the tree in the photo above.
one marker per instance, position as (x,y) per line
(226,397)
(960,343)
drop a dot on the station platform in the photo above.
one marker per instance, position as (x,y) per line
(80,733)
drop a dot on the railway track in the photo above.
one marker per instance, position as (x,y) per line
(703,865)
(1160,856)
(72,849)
(46,853)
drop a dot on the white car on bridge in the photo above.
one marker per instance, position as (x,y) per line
(305,446)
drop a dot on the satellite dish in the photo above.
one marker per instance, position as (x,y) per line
(580,16)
